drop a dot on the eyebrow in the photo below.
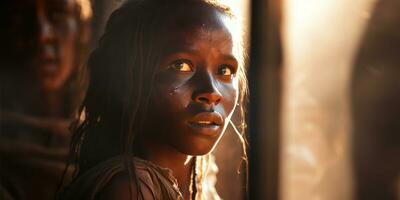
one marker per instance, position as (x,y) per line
(181,51)
(230,57)
(61,5)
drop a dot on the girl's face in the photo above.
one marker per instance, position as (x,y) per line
(196,88)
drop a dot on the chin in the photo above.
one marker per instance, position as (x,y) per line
(200,152)
(50,84)
(199,147)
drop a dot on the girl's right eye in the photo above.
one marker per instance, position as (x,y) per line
(182,66)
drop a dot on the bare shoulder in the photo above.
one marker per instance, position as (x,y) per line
(120,187)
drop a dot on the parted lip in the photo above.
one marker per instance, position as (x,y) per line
(214,117)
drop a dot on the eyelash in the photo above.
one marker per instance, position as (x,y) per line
(179,62)
(175,64)
(231,68)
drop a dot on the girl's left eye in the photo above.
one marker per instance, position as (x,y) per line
(225,70)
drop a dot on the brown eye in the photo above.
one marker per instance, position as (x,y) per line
(225,70)
(182,66)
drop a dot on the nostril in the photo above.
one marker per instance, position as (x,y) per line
(211,99)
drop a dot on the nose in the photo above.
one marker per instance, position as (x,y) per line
(207,92)
(46,31)
(46,38)
(208,98)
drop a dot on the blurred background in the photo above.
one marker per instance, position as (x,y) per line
(323,115)
(324,82)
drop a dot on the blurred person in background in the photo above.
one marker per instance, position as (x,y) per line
(376,109)
(41,85)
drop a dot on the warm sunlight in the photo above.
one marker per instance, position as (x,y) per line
(320,40)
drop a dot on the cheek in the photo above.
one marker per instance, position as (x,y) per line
(67,44)
(168,100)
(68,36)
(172,90)
(67,60)
(68,40)
(231,95)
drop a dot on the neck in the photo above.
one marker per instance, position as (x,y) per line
(46,103)
(167,157)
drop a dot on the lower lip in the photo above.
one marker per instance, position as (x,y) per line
(203,129)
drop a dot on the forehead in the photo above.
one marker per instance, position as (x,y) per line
(48,4)
(199,37)
(194,26)
(69,4)
(184,16)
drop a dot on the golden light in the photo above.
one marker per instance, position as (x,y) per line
(320,40)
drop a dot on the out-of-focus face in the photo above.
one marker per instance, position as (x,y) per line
(196,87)
(43,39)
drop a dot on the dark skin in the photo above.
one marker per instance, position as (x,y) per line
(195,93)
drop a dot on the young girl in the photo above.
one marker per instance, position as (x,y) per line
(165,80)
